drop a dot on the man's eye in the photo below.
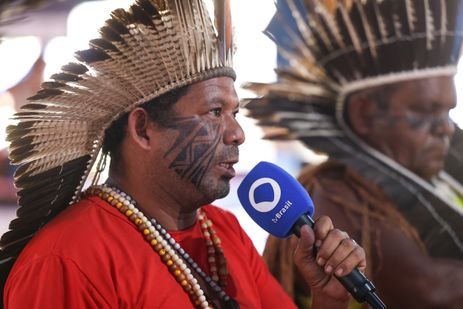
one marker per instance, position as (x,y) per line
(216,111)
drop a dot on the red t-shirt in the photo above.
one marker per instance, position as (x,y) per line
(92,256)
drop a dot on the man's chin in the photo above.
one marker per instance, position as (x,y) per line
(215,192)
(223,191)
(431,170)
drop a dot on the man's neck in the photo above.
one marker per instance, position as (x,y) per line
(169,210)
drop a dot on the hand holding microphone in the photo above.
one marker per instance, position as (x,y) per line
(281,206)
(317,265)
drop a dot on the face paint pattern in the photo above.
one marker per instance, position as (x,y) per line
(194,149)
(417,121)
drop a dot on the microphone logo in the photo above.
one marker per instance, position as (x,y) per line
(265,206)
(274,198)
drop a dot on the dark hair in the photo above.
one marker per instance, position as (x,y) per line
(159,110)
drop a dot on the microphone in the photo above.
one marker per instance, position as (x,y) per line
(279,204)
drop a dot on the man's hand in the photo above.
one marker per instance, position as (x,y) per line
(336,254)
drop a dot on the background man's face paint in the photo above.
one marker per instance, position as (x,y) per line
(417,121)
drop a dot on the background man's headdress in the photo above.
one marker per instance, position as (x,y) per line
(335,50)
(152,48)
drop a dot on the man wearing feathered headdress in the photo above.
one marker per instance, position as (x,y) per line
(156,93)
(370,84)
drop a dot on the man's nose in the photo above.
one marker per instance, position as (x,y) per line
(443,125)
(234,134)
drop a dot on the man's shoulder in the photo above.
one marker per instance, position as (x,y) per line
(89,246)
(338,179)
(329,170)
(338,189)
(89,216)
(80,230)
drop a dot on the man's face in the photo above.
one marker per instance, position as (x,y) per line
(201,141)
(414,128)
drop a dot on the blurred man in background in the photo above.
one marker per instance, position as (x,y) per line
(371,85)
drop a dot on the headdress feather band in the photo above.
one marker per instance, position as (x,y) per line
(154,47)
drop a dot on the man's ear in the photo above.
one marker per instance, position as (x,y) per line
(360,112)
(139,128)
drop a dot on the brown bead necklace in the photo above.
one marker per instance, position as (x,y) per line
(179,262)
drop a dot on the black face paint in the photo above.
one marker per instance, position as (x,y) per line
(417,121)
(195,147)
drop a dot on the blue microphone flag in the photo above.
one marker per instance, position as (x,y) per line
(274,199)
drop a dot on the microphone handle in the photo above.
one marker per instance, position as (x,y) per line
(356,283)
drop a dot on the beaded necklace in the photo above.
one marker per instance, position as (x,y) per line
(170,252)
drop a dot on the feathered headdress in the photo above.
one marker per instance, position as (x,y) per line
(150,49)
(332,52)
